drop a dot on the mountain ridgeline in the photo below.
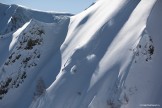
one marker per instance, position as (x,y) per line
(108,56)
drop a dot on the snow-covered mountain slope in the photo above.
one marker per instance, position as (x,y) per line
(24,52)
(108,56)
(14,17)
(32,46)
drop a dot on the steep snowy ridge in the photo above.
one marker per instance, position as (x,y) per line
(29,48)
(107,56)
(14,17)
(94,69)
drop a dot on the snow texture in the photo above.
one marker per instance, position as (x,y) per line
(108,56)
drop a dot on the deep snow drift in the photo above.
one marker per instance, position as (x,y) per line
(108,56)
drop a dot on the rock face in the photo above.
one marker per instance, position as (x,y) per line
(108,56)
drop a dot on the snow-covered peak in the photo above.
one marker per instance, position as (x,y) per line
(14,16)
(31,46)
(107,56)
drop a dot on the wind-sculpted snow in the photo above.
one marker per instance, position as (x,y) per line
(115,41)
(108,56)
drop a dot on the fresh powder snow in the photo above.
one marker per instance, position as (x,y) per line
(108,56)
